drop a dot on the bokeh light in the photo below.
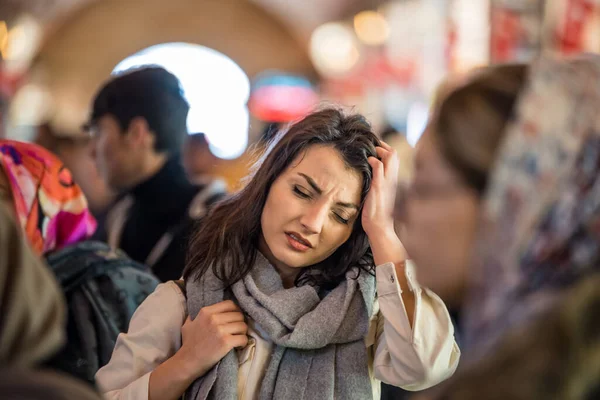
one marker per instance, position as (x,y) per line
(371,28)
(333,49)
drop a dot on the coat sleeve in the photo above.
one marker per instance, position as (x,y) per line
(414,358)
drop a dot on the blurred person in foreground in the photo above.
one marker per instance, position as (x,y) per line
(508,170)
(102,287)
(33,313)
(138,122)
(555,357)
(49,205)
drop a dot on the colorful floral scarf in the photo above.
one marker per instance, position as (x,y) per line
(541,225)
(50,207)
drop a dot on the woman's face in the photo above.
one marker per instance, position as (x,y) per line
(310,210)
(440,215)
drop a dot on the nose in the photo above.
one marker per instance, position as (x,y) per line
(314,218)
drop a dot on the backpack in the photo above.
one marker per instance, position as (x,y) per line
(103,288)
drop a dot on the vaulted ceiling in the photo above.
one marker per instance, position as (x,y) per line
(84,39)
(301,16)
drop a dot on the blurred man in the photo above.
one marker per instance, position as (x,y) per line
(138,121)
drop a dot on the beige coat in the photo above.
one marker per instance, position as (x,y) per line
(413,359)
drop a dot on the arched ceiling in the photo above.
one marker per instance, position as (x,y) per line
(80,53)
(85,39)
(301,16)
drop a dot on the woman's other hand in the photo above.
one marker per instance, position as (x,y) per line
(214,332)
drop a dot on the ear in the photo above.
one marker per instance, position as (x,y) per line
(138,133)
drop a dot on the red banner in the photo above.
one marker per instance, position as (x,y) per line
(577,13)
(505,34)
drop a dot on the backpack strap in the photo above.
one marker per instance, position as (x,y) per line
(197,209)
(209,194)
(116,219)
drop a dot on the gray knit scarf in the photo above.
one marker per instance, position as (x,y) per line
(319,352)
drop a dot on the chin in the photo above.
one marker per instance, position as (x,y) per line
(292,259)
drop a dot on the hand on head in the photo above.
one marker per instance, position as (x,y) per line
(379,204)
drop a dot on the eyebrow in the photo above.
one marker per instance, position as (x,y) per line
(317,189)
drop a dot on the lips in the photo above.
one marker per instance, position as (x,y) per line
(297,242)
(299,238)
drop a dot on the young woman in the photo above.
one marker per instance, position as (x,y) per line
(297,286)
(509,166)
(553,357)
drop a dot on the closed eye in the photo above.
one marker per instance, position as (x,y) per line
(341,219)
(301,193)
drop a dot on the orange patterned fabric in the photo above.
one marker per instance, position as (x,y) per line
(50,207)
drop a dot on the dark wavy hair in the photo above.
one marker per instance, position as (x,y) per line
(229,236)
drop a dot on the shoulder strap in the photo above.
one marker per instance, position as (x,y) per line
(197,209)
(206,196)
(116,219)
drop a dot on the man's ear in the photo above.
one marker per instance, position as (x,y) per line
(138,133)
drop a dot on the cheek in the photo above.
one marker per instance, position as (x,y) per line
(266,217)
(439,239)
(275,206)
(424,222)
(447,229)
(333,236)
(277,210)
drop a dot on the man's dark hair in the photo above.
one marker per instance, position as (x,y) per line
(151,93)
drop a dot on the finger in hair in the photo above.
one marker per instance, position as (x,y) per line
(377,167)
(382,153)
(385,145)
